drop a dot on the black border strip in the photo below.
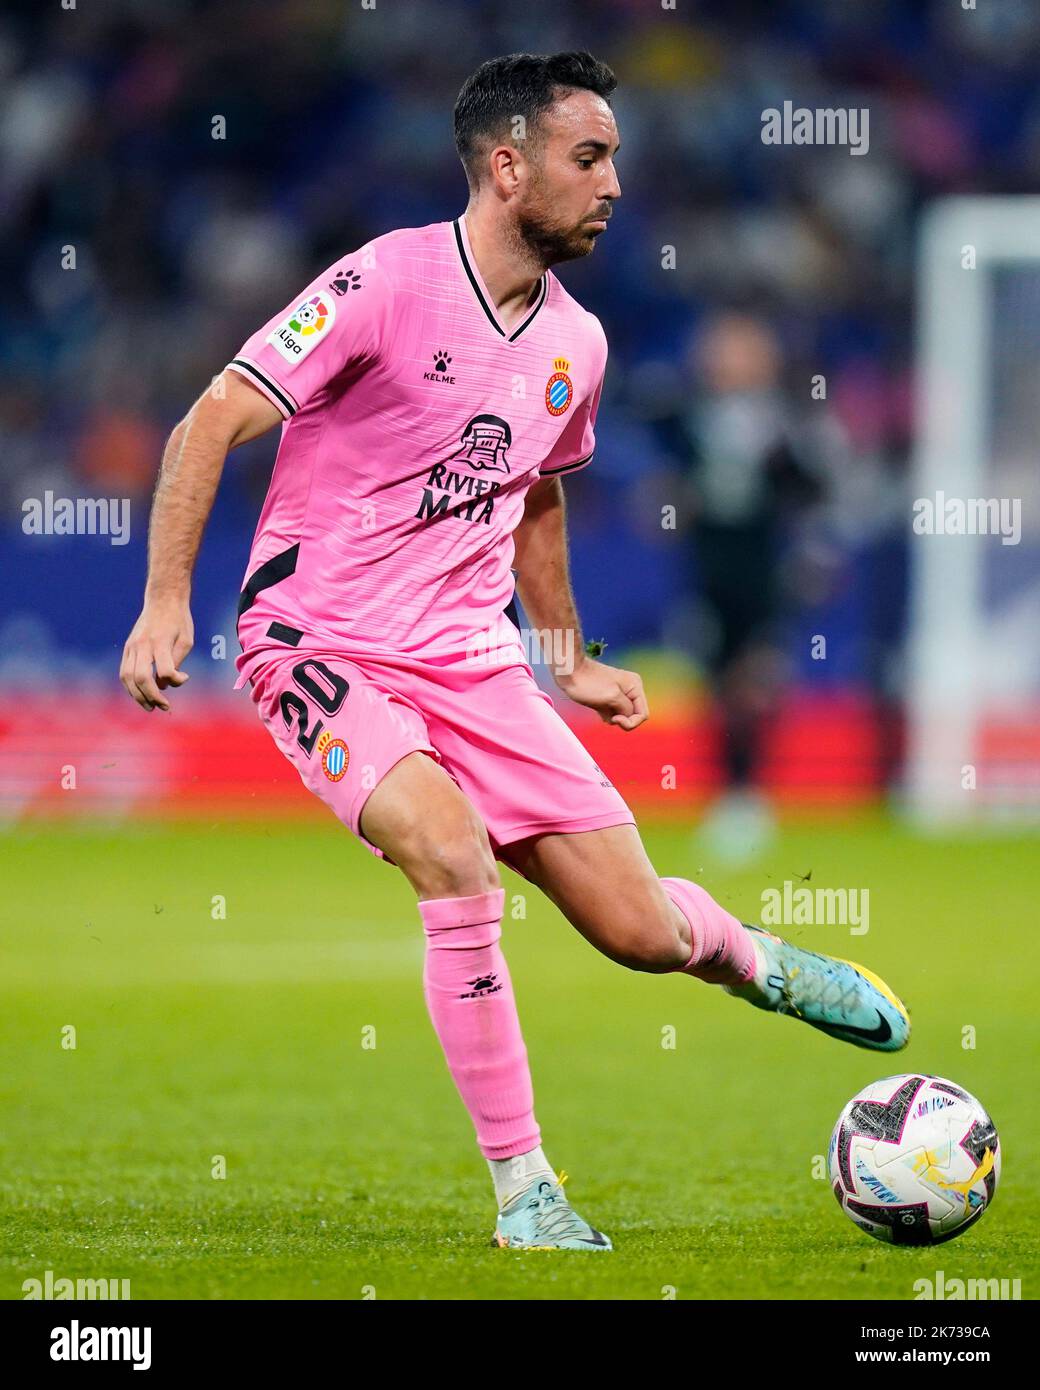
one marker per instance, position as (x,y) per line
(272,571)
(282,632)
(480,296)
(567,467)
(274,389)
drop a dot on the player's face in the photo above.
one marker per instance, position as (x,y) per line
(571,185)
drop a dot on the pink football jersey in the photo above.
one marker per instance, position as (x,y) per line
(415,424)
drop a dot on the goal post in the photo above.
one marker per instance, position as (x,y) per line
(973,658)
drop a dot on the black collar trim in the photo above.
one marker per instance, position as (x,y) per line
(543,290)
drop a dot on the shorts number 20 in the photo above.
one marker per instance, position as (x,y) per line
(328,693)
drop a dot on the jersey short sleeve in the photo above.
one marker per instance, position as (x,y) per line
(577,443)
(341,320)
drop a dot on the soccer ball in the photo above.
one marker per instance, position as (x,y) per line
(914,1160)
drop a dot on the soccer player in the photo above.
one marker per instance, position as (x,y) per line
(434,389)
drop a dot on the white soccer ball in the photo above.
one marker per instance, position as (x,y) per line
(914,1160)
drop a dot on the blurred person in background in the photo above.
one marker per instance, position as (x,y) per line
(748,469)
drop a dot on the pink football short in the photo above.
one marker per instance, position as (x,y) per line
(345,723)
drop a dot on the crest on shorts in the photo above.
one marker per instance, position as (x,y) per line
(484,443)
(335,755)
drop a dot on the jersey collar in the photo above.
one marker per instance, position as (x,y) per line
(480,290)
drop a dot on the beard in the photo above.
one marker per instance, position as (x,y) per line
(540,236)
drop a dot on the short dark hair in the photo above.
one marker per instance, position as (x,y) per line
(519,84)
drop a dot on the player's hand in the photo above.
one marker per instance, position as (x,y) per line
(616,696)
(161,638)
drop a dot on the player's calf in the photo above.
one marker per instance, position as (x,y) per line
(648,940)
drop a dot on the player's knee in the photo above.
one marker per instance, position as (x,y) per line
(452,861)
(461,870)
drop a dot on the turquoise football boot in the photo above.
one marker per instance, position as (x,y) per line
(541,1218)
(838,997)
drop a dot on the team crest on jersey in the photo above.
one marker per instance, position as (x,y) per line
(559,389)
(335,755)
(305,328)
(484,443)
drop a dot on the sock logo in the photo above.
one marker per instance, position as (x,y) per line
(481,986)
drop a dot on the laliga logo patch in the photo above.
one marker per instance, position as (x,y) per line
(335,755)
(305,327)
(559,389)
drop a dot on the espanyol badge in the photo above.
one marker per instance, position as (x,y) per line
(335,755)
(559,389)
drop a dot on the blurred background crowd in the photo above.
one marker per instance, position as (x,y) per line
(761,386)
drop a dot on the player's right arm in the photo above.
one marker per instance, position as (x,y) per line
(278,371)
(229,413)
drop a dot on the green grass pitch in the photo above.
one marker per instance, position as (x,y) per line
(352,1170)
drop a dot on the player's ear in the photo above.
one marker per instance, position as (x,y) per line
(507,167)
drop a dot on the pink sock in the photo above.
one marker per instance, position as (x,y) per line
(470,998)
(722,950)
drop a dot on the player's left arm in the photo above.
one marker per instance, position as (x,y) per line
(544,586)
